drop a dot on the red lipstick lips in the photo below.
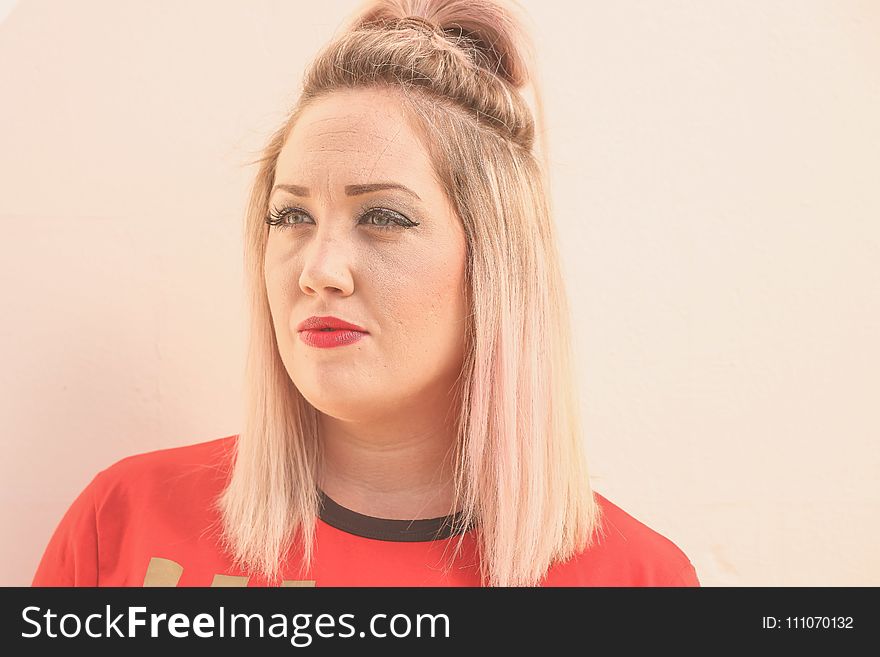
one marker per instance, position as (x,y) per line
(328,321)
(328,331)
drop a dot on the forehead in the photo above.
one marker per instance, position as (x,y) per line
(361,136)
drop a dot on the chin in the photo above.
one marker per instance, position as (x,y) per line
(343,406)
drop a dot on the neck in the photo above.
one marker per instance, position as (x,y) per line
(400,468)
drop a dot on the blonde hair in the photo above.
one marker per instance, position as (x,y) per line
(521,478)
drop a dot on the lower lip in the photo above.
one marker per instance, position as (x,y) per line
(328,339)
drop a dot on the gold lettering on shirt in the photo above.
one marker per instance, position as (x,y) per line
(298,582)
(163,572)
(229,580)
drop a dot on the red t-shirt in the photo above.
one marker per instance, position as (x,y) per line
(147,520)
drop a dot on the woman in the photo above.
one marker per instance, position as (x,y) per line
(411,417)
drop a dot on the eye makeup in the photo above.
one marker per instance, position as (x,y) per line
(374,214)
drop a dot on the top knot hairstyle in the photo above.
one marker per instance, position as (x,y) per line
(463,53)
(460,69)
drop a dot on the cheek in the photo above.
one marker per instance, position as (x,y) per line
(425,293)
(279,291)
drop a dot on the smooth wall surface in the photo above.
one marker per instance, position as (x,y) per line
(715,171)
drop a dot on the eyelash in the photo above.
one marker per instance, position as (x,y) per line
(277,218)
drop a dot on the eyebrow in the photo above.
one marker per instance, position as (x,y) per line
(350,190)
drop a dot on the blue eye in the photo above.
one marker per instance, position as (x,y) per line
(285,218)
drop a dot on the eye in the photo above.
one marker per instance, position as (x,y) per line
(279,218)
(385,219)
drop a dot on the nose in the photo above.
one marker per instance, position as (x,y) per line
(326,269)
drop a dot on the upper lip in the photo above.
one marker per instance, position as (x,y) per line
(327,321)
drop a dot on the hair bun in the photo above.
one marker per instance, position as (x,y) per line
(488,31)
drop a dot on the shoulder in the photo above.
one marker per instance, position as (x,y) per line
(627,552)
(166,469)
(141,497)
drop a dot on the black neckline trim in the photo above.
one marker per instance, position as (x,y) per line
(386,529)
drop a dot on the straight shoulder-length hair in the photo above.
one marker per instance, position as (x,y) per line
(521,480)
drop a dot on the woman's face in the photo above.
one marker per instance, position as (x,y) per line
(344,251)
